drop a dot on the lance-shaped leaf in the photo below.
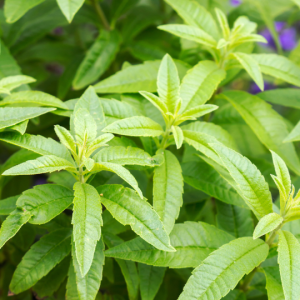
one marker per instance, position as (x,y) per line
(44,164)
(168,83)
(289,264)
(70,7)
(251,184)
(273,286)
(190,33)
(193,242)
(120,171)
(71,288)
(42,257)
(151,279)
(90,101)
(44,202)
(87,222)
(128,268)
(12,82)
(125,156)
(196,15)
(52,281)
(8,205)
(252,68)
(135,126)
(266,123)
(10,116)
(65,137)
(136,78)
(294,135)
(15,9)
(13,224)
(224,268)
(178,136)
(36,98)
(279,67)
(127,207)
(88,285)
(168,189)
(267,224)
(282,173)
(20,127)
(37,144)
(204,177)
(198,111)
(98,58)
(85,127)
(156,101)
(223,23)
(235,220)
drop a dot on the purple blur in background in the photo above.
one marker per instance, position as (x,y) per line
(254,89)
(39,179)
(287,37)
(235,2)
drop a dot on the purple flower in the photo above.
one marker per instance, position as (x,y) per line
(39,179)
(58,31)
(235,2)
(254,89)
(287,36)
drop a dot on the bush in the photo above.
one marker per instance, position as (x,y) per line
(148,132)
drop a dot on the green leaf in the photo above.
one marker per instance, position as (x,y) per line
(99,142)
(52,281)
(90,101)
(10,116)
(8,205)
(252,68)
(193,242)
(219,133)
(37,144)
(71,288)
(266,123)
(44,202)
(87,222)
(13,224)
(120,171)
(289,97)
(70,7)
(168,83)
(205,178)
(125,156)
(251,184)
(135,126)
(136,78)
(42,257)
(65,137)
(195,15)
(88,285)
(98,58)
(36,98)
(156,101)
(190,33)
(223,23)
(273,286)
(279,67)
(15,9)
(224,268)
(294,135)
(85,127)
(267,224)
(235,220)
(12,82)
(282,173)
(178,136)
(289,264)
(20,127)
(198,111)
(44,164)
(168,189)
(151,279)
(128,268)
(125,206)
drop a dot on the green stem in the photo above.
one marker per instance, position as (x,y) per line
(101,14)
(165,139)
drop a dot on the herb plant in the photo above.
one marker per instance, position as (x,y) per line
(148,154)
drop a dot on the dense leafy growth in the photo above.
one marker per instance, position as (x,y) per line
(147,150)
